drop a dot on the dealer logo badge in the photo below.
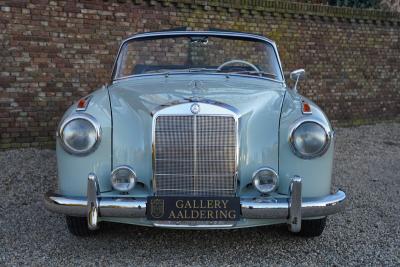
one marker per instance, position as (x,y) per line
(157,208)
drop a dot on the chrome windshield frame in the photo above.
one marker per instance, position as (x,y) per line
(150,35)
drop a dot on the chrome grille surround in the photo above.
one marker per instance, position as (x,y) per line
(195,154)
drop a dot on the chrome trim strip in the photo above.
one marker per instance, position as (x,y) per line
(194,226)
(195,190)
(194,33)
(195,100)
(294,220)
(306,112)
(195,176)
(226,75)
(88,118)
(210,33)
(297,124)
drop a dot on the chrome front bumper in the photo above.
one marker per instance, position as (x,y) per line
(293,208)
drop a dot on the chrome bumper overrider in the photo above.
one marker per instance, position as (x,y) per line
(293,208)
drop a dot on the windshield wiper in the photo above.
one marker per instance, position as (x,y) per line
(197,69)
(260,73)
(169,71)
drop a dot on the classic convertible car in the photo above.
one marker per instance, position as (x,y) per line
(196,130)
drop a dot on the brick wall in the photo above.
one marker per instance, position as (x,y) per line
(392,5)
(53,52)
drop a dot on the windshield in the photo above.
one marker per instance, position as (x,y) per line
(198,53)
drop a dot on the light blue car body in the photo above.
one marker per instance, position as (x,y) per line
(267,112)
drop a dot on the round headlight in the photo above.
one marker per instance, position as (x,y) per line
(265,180)
(309,140)
(80,134)
(123,178)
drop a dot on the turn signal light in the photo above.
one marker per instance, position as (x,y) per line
(306,108)
(83,103)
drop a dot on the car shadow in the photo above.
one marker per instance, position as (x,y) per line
(123,230)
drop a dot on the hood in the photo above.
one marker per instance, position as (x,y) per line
(257,101)
(150,93)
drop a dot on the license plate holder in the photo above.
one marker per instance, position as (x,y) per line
(175,208)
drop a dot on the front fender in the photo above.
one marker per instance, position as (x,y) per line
(132,132)
(316,172)
(73,170)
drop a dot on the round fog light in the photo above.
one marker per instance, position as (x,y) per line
(123,178)
(265,180)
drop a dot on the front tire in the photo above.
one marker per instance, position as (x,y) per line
(78,226)
(312,228)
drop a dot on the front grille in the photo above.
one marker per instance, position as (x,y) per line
(195,155)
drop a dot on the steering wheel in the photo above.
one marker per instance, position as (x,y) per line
(237,61)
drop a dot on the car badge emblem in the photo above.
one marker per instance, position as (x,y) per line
(195,108)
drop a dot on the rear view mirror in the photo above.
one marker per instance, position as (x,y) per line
(297,75)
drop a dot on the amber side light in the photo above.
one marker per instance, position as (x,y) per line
(82,103)
(306,108)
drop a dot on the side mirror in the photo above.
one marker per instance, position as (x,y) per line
(297,75)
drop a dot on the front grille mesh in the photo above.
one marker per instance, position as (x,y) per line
(195,155)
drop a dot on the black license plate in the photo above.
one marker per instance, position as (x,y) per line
(193,208)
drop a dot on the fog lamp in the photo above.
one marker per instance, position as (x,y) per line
(123,178)
(265,180)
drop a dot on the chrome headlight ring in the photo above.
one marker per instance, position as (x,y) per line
(264,184)
(95,134)
(328,135)
(123,182)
